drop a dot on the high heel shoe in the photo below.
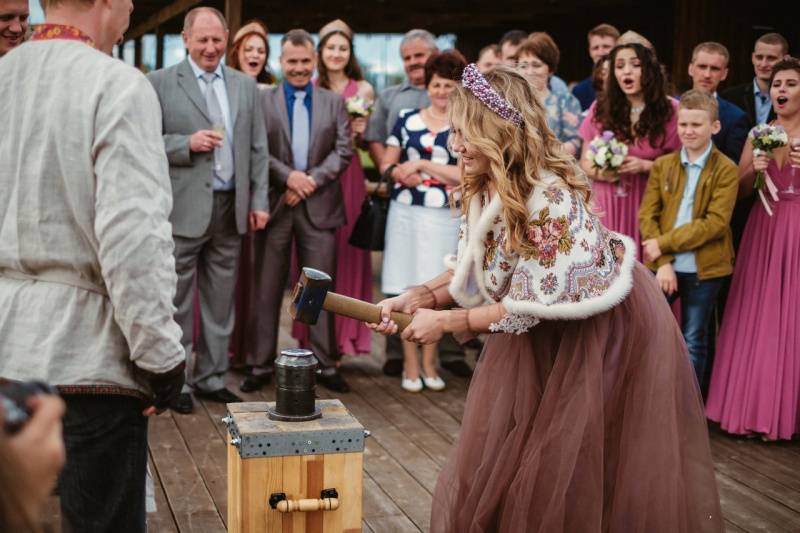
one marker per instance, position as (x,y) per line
(411,385)
(435,383)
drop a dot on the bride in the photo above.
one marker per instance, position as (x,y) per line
(584,413)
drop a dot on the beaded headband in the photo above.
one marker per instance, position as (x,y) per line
(473,80)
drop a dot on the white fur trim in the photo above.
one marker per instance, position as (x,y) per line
(478,223)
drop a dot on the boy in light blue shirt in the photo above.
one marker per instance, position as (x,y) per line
(685,221)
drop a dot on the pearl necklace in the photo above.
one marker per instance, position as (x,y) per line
(636,110)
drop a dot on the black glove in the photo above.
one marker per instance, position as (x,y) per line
(166,386)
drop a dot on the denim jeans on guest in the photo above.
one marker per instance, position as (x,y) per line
(102,486)
(698,300)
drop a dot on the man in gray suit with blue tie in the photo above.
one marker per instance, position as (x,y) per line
(217,149)
(308,131)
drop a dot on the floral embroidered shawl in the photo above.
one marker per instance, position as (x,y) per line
(578,268)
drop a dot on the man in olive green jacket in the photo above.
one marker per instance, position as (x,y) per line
(685,221)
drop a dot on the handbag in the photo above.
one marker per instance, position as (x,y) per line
(369,231)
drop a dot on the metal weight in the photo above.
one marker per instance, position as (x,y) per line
(295,371)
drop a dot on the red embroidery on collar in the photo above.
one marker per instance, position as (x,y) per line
(48,32)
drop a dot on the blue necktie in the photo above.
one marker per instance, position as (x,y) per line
(300,132)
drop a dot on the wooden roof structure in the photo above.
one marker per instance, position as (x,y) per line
(674,26)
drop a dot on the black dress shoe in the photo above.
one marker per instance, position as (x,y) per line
(458,367)
(393,367)
(183,404)
(253,383)
(334,382)
(221,396)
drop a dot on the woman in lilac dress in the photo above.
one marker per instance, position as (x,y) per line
(636,108)
(339,72)
(755,383)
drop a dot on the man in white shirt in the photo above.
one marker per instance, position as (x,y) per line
(87,274)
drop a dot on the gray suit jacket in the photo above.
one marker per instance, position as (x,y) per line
(329,152)
(184,110)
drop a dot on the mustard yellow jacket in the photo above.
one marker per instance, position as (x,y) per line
(709,232)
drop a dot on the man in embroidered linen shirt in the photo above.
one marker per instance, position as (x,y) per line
(684,220)
(86,269)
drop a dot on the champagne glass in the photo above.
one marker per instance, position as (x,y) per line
(219,129)
(794,146)
(621,186)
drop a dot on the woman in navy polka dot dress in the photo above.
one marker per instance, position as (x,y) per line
(422,228)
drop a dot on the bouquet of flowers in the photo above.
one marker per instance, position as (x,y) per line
(765,138)
(607,153)
(358,106)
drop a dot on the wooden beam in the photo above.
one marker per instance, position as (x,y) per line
(160,17)
(159,47)
(137,52)
(233,14)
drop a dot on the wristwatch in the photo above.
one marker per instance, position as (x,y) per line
(387,174)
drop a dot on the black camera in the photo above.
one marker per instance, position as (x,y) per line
(14,397)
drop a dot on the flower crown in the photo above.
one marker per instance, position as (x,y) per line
(473,80)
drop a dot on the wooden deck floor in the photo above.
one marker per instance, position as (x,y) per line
(411,435)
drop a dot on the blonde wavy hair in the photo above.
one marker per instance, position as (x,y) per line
(518,156)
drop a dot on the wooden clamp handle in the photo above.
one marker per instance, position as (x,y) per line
(307,506)
(361,310)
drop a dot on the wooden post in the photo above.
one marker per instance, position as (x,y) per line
(137,52)
(233,14)
(159,47)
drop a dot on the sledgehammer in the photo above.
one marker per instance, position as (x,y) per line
(311,296)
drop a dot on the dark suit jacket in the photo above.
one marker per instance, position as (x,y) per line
(731,138)
(743,97)
(184,112)
(329,152)
(584,92)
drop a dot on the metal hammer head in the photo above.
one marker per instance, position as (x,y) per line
(309,295)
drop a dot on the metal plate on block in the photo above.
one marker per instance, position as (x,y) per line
(255,435)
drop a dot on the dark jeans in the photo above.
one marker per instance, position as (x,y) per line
(102,486)
(698,300)
(449,348)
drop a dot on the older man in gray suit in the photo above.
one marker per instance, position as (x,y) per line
(310,146)
(216,145)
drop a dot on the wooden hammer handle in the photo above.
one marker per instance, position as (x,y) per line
(361,310)
(305,506)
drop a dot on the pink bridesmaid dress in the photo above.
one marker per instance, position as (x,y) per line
(353,276)
(621,213)
(755,382)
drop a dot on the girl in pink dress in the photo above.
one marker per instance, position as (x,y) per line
(755,382)
(339,72)
(636,108)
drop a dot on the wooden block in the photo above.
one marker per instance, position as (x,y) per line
(353,474)
(256,472)
(295,485)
